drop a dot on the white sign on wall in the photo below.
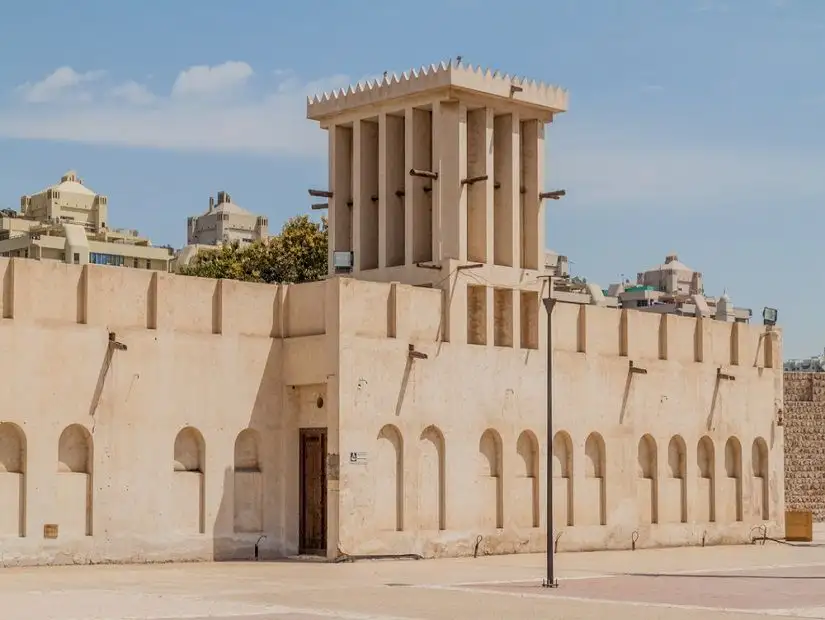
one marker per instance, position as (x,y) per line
(358,458)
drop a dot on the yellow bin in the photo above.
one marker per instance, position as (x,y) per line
(799,525)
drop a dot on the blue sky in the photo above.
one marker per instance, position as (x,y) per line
(695,126)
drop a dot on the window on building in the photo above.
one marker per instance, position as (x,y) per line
(148,264)
(135,263)
(76,258)
(99,258)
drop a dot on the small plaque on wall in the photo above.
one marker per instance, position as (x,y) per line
(50,530)
(358,458)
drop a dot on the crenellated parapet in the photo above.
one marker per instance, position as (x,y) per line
(445,75)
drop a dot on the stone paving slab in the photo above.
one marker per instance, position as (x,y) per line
(667,584)
(799,587)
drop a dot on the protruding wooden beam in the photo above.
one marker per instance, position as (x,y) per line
(554,195)
(427,174)
(320,193)
(320,205)
(637,370)
(471,180)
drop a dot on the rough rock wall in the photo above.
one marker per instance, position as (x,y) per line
(804,422)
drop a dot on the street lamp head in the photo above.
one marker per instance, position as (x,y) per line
(770,316)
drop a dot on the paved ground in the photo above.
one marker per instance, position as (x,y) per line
(691,584)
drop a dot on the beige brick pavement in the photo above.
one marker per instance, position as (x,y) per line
(696,583)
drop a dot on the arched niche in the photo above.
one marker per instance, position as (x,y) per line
(528,512)
(647,480)
(247,451)
(595,465)
(705,480)
(562,455)
(760,470)
(676,500)
(389,479)
(563,507)
(189,481)
(432,511)
(733,474)
(189,450)
(75,450)
(12,480)
(490,452)
(75,471)
(247,480)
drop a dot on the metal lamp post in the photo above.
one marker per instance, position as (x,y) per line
(549,304)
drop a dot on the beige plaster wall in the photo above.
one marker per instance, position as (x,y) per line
(182,446)
(185,444)
(446,455)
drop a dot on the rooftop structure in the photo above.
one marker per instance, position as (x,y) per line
(450,79)
(675,288)
(439,171)
(226,222)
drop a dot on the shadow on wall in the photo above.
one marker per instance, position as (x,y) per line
(252,520)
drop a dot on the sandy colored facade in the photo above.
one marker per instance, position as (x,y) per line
(187,444)
(226,222)
(401,410)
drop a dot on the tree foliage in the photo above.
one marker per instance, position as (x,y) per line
(297,254)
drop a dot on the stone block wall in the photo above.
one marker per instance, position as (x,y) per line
(804,423)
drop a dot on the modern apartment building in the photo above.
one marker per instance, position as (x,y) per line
(675,288)
(226,222)
(68,222)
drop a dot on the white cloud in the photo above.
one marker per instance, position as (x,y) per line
(131,115)
(203,80)
(601,167)
(60,84)
(134,93)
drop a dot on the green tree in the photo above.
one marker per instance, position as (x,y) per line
(297,254)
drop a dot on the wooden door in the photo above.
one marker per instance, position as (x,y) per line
(313,522)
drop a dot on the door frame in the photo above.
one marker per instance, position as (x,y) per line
(304,434)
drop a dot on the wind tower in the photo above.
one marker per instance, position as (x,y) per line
(436,179)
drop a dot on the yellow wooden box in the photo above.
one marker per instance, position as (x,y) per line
(799,525)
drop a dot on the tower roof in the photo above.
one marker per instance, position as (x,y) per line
(443,76)
(70,183)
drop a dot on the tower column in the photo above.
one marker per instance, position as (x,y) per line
(340,183)
(531,220)
(449,195)
(391,173)
(480,194)
(383,228)
(365,188)
(357,198)
(409,144)
(418,200)
(508,196)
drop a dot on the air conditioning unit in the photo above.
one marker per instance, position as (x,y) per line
(342,262)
